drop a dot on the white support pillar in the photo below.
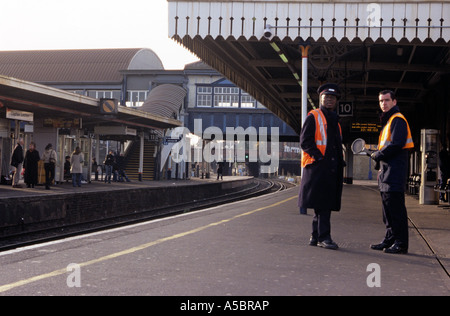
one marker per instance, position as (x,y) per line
(305,49)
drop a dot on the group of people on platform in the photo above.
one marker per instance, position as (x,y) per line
(114,168)
(30,162)
(73,166)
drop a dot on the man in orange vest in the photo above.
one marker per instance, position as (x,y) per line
(322,163)
(394,142)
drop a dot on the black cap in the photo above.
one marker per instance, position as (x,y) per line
(329,88)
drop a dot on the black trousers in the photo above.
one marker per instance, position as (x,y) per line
(49,173)
(395,218)
(321,225)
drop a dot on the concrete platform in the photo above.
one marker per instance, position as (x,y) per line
(430,222)
(253,247)
(7,191)
(28,210)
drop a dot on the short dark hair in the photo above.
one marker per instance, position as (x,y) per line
(393,97)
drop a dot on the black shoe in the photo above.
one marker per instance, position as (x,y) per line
(396,248)
(381,246)
(328,244)
(313,241)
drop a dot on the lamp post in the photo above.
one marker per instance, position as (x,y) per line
(305,49)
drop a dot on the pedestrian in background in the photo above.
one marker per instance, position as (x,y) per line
(31,166)
(323,165)
(220,170)
(76,162)
(394,142)
(49,158)
(109,164)
(17,162)
(67,175)
(120,160)
(95,168)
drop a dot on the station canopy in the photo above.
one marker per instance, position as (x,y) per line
(47,102)
(363,46)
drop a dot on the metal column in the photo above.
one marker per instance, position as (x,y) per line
(305,50)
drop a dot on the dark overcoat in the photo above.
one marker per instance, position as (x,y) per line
(31,167)
(322,182)
(393,158)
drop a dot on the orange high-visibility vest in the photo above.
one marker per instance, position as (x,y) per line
(385,136)
(320,136)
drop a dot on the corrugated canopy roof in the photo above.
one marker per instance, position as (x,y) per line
(81,65)
(165,100)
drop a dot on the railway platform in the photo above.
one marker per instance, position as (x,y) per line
(255,247)
(25,210)
(6,191)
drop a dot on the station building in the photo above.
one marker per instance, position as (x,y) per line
(137,82)
(75,98)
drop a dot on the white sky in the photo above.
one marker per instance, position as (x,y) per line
(81,24)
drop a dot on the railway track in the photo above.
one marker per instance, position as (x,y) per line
(259,187)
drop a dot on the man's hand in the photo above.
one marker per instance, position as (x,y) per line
(375,156)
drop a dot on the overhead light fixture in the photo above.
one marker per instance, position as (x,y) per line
(268,32)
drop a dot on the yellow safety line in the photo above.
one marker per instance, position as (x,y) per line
(10,286)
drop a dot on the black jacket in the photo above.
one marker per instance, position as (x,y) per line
(393,158)
(109,160)
(17,157)
(31,166)
(322,181)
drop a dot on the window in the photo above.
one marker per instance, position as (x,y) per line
(226,100)
(204,100)
(204,96)
(226,90)
(225,96)
(136,98)
(80,92)
(247,101)
(104,94)
(204,90)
